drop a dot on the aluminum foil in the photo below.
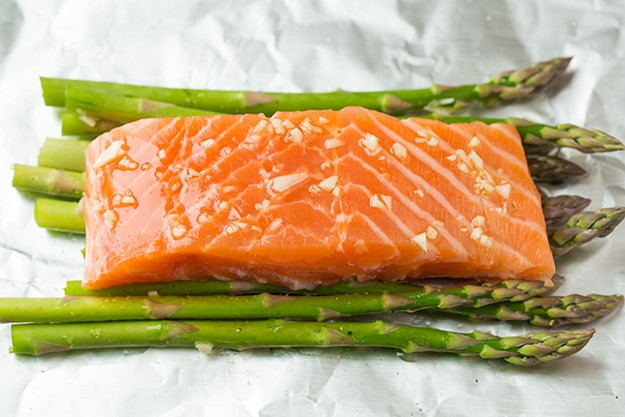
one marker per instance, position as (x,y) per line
(308,46)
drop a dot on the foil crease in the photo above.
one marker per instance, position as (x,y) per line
(309,46)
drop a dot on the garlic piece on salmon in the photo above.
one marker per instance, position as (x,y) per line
(486,241)
(234,214)
(207,143)
(295,135)
(110,218)
(371,144)
(431,232)
(178,231)
(381,201)
(333,143)
(285,182)
(110,154)
(127,163)
(329,183)
(474,142)
(421,240)
(503,190)
(399,150)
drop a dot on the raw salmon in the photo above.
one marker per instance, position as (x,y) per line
(312,197)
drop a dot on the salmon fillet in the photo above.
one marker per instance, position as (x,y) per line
(308,198)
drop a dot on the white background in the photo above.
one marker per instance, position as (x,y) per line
(318,46)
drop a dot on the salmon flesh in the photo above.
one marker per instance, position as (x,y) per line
(308,198)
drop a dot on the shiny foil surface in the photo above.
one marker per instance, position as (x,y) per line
(310,46)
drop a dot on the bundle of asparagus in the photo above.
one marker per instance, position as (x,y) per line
(186,313)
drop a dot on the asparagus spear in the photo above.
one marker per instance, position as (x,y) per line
(538,310)
(547,311)
(583,227)
(89,126)
(529,349)
(88,103)
(552,169)
(265,305)
(68,184)
(62,216)
(215,287)
(67,154)
(502,87)
(560,208)
(56,182)
(102,111)
(540,137)
(66,216)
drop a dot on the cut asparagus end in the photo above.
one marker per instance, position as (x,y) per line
(67,154)
(64,216)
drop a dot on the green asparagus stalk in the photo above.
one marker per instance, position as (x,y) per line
(529,349)
(66,216)
(265,305)
(55,182)
(66,154)
(502,87)
(585,226)
(58,215)
(96,107)
(538,138)
(90,126)
(552,169)
(87,103)
(217,287)
(547,311)
(68,184)
(560,208)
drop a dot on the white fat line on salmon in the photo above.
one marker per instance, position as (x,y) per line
(169,127)
(475,199)
(531,225)
(154,138)
(420,183)
(380,233)
(234,174)
(504,156)
(215,168)
(485,143)
(457,247)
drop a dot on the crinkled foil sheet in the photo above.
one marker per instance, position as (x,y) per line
(308,46)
